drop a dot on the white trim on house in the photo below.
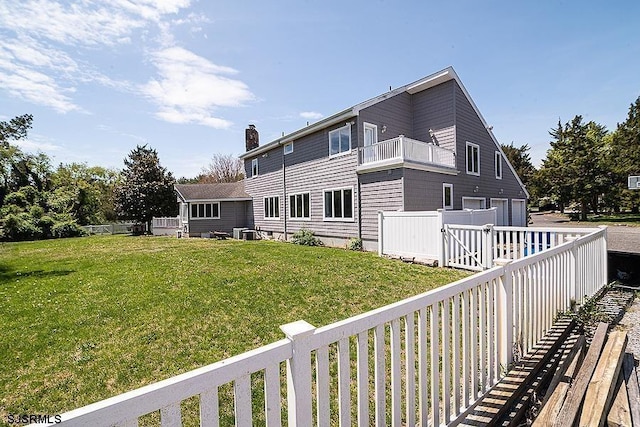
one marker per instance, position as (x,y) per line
(498,165)
(340,218)
(446,186)
(483,200)
(475,159)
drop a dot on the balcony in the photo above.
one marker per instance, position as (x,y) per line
(408,153)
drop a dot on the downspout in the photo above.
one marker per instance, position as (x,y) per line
(284,192)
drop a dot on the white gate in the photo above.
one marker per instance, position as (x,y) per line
(468,246)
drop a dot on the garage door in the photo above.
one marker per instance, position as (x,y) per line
(518,213)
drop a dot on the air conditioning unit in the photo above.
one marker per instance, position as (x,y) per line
(634,182)
(237,232)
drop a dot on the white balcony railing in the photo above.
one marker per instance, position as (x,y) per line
(403,149)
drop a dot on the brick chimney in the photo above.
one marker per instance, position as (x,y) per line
(251,138)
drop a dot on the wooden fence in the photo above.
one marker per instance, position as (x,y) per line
(424,360)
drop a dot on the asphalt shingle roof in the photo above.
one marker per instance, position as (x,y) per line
(227,190)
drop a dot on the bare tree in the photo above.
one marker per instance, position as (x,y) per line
(222,168)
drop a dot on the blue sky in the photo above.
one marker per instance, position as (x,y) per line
(187,76)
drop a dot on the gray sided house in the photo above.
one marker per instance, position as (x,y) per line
(214,207)
(421,147)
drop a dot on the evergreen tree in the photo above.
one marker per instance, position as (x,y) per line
(626,153)
(146,188)
(575,168)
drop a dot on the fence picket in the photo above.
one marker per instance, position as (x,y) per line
(171,415)
(322,386)
(209,411)
(344,383)
(363,379)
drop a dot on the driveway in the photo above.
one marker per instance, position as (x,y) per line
(621,238)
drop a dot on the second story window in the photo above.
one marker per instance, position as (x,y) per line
(498,165)
(288,148)
(254,167)
(340,140)
(473,159)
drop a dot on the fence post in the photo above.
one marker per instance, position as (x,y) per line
(605,256)
(299,405)
(380,233)
(487,246)
(445,245)
(442,237)
(505,316)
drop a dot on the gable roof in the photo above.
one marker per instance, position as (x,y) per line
(231,191)
(425,83)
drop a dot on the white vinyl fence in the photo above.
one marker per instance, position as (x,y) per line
(473,247)
(424,360)
(419,234)
(116,228)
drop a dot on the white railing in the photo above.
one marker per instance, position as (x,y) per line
(518,242)
(430,356)
(168,222)
(407,149)
(477,247)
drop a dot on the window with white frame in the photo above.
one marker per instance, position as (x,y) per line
(205,210)
(338,204)
(288,148)
(447,196)
(498,165)
(254,167)
(473,159)
(340,140)
(272,207)
(299,206)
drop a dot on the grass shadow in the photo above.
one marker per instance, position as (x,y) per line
(7,275)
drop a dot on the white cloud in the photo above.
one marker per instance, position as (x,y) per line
(33,145)
(311,115)
(189,88)
(35,36)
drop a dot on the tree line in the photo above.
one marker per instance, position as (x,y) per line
(38,201)
(586,166)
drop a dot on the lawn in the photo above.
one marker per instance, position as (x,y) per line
(88,318)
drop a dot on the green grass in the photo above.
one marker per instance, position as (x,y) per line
(85,319)
(628,219)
